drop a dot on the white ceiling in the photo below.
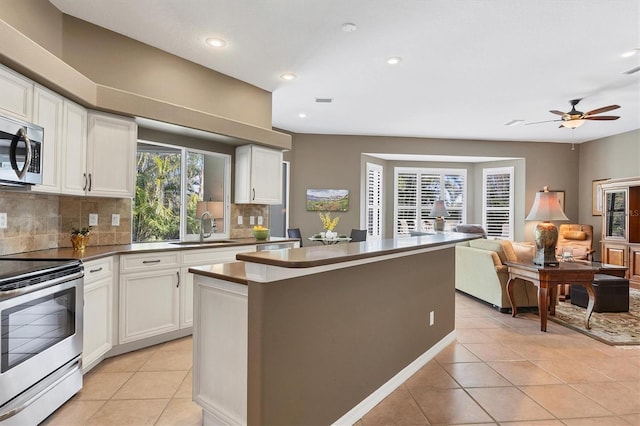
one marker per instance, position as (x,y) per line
(468,66)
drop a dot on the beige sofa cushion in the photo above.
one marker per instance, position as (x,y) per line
(507,251)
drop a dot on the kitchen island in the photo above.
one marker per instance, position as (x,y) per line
(319,335)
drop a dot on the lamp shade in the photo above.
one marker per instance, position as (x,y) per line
(546,207)
(439,210)
(572,124)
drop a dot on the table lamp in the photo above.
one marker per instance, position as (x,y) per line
(439,212)
(546,207)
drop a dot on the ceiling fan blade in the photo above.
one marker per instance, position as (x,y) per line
(602,117)
(555,111)
(601,110)
(539,122)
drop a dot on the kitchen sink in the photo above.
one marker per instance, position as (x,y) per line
(203,243)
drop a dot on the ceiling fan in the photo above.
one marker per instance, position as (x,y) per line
(575,118)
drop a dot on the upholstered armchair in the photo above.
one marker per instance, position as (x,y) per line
(579,237)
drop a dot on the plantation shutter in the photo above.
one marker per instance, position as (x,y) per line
(497,202)
(374,201)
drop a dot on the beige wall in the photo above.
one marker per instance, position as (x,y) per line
(37,19)
(608,158)
(330,161)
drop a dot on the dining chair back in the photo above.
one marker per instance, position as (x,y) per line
(358,235)
(295,233)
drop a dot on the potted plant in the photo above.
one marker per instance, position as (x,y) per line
(80,237)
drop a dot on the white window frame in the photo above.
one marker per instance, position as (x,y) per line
(374,200)
(506,234)
(404,229)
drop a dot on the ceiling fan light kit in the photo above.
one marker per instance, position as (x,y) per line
(575,118)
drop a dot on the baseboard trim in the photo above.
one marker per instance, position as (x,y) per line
(367,404)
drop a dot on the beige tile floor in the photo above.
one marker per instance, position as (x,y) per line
(501,370)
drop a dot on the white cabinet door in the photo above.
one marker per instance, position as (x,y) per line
(186,298)
(149,303)
(258,175)
(98,312)
(111,155)
(48,111)
(16,94)
(74,149)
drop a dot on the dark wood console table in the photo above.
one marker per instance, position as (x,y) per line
(547,279)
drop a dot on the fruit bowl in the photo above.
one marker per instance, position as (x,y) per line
(261,234)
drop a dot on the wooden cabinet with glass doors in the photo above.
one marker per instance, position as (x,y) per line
(621,225)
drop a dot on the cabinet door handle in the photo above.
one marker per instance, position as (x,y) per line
(254,194)
(91,271)
(89,181)
(151,261)
(84,177)
(178,274)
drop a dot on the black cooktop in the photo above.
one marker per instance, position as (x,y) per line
(16,270)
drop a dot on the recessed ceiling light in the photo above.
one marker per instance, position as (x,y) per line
(288,76)
(394,61)
(302,115)
(216,42)
(630,53)
(349,27)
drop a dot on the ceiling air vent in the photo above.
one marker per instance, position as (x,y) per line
(324,100)
(632,70)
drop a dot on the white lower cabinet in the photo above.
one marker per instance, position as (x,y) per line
(196,258)
(98,311)
(149,295)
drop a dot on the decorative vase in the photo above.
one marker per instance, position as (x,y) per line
(330,235)
(79,241)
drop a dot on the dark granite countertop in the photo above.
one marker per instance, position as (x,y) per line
(96,252)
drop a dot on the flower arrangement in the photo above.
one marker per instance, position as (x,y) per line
(328,223)
(79,237)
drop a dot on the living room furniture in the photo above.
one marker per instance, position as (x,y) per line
(358,235)
(611,294)
(546,279)
(578,240)
(295,233)
(481,272)
(470,228)
(621,225)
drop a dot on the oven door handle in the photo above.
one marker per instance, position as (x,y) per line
(35,287)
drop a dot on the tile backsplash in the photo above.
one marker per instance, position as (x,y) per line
(42,221)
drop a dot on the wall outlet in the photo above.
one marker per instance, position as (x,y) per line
(3,221)
(432,318)
(93,219)
(239,220)
(115,219)
(259,220)
(252,220)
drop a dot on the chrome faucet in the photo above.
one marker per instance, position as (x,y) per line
(211,228)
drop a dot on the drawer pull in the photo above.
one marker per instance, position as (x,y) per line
(91,271)
(151,261)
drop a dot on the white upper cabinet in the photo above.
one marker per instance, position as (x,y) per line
(48,111)
(111,155)
(258,175)
(16,94)
(74,149)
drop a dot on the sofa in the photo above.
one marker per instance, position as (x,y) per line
(481,272)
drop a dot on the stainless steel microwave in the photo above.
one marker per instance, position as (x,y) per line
(20,152)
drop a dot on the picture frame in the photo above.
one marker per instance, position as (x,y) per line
(596,196)
(328,200)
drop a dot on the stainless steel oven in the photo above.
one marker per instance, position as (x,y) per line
(41,306)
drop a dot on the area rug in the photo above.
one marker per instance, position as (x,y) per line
(619,328)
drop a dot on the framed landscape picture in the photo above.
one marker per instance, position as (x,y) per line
(330,200)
